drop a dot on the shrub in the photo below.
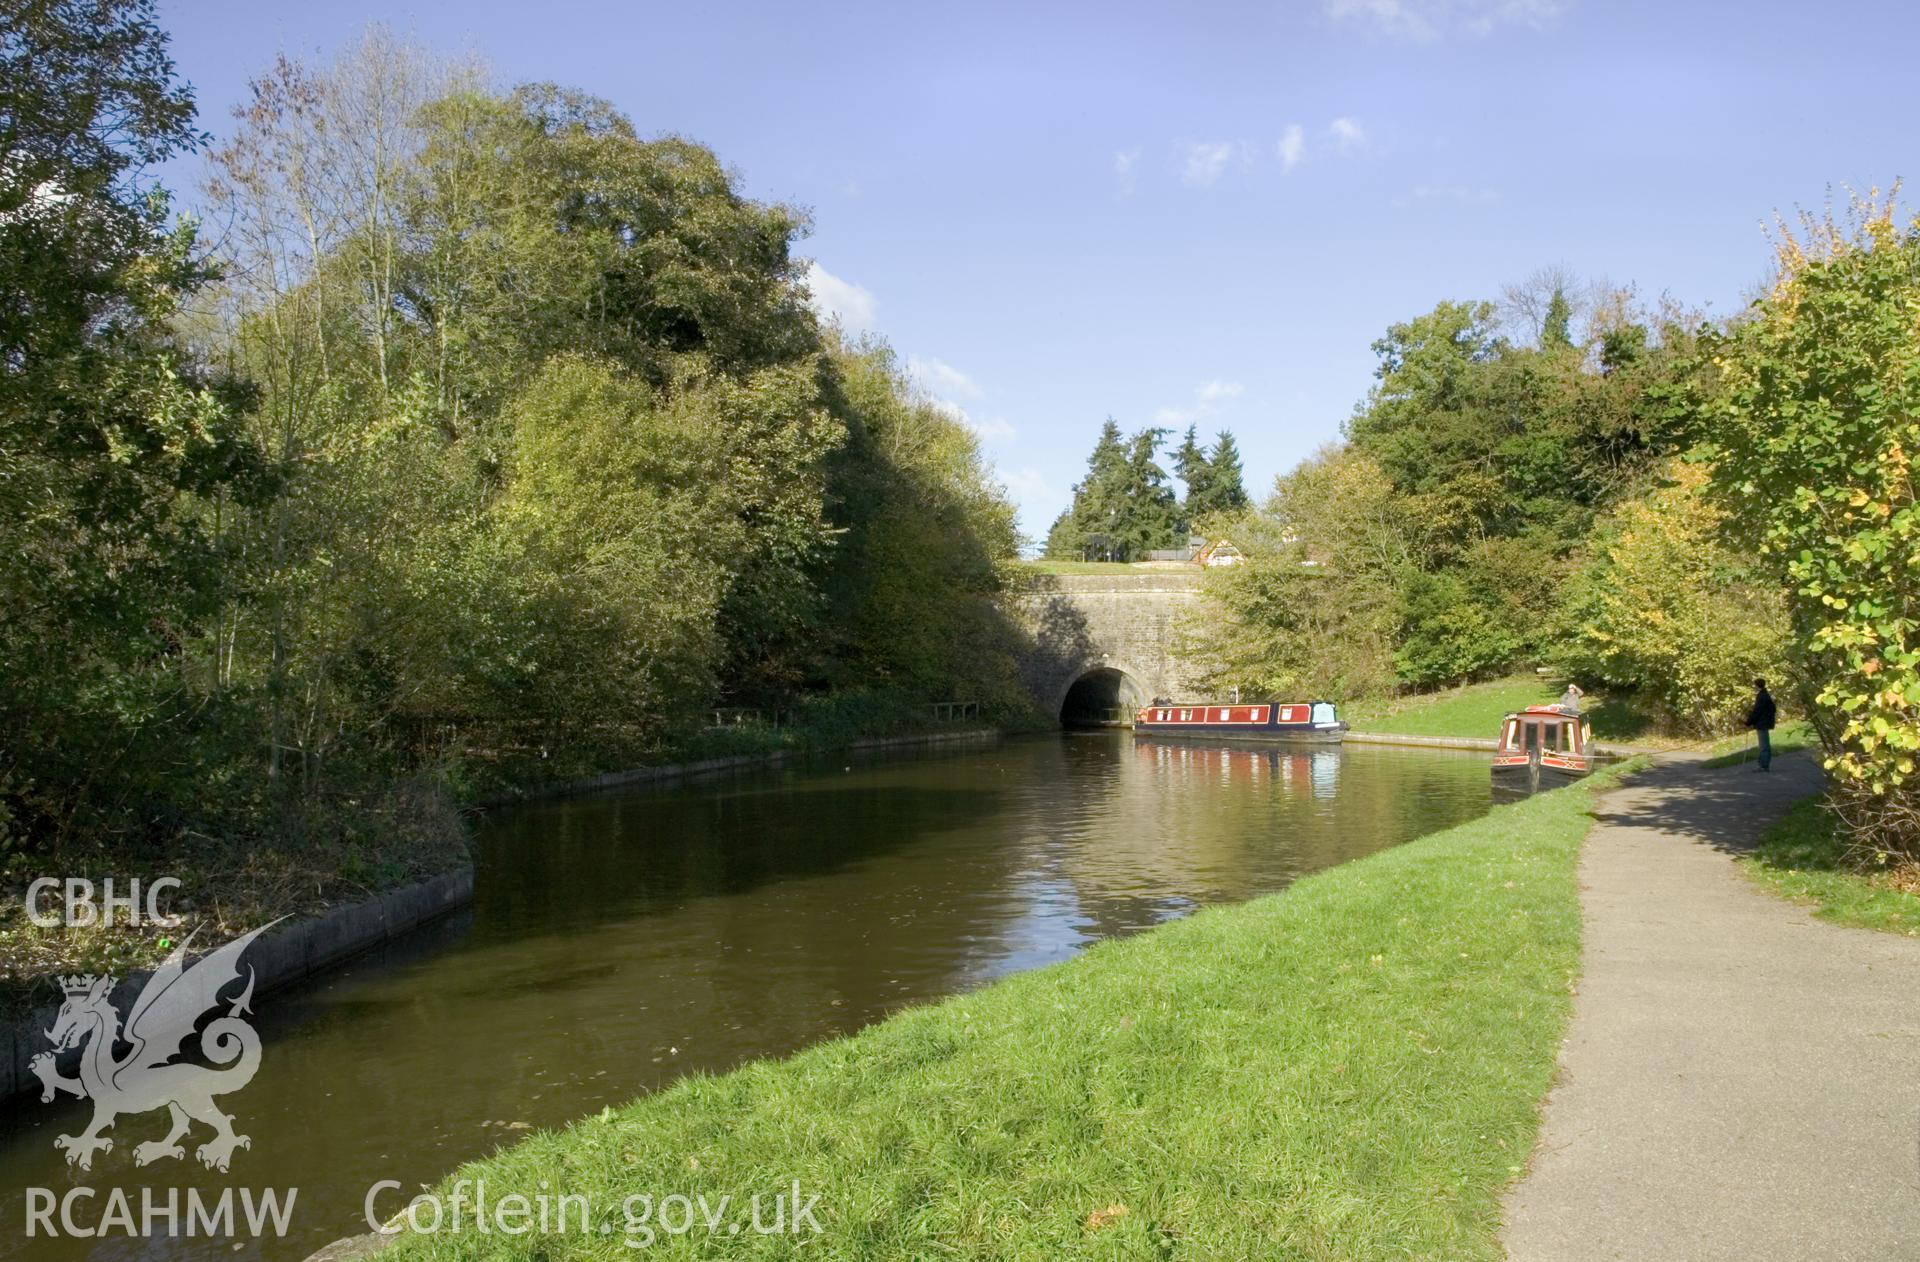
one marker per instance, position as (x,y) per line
(1811,440)
(1662,609)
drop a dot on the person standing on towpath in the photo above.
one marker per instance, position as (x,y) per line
(1760,718)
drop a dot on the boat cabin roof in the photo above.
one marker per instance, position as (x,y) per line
(1546,713)
(1556,730)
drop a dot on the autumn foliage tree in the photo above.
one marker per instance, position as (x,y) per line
(1812,436)
(1664,608)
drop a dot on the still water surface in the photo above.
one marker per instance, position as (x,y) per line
(617,942)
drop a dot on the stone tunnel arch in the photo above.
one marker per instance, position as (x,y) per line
(1130,623)
(1100,694)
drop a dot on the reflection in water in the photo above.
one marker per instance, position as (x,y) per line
(618,942)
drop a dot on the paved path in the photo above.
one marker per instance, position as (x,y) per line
(1740,1081)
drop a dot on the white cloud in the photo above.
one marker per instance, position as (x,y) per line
(1458,194)
(1405,19)
(1206,160)
(943,386)
(1483,15)
(1347,134)
(1123,163)
(991,429)
(1028,483)
(836,299)
(1429,19)
(1293,146)
(1207,398)
(941,378)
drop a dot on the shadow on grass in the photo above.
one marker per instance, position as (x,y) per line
(1621,719)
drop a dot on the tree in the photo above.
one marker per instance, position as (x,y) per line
(1315,607)
(926,528)
(1428,422)
(1527,307)
(313,184)
(1663,609)
(116,455)
(1811,436)
(523,435)
(1448,636)
(1124,507)
(1223,489)
(1191,465)
(1149,515)
(1556,327)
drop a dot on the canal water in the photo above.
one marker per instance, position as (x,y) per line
(618,942)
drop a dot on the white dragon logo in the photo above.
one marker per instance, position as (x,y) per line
(163,1017)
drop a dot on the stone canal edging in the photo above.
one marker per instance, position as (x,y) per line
(286,955)
(1427,742)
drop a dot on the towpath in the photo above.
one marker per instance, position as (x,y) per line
(1739,1080)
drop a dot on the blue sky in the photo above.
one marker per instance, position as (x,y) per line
(1061,212)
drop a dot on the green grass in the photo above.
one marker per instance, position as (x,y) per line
(1044,566)
(1474,710)
(1787,738)
(1347,1069)
(1802,858)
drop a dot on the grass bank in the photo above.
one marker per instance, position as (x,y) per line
(1475,710)
(1803,858)
(1349,1069)
(1472,710)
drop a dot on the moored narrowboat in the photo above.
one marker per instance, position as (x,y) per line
(1262,721)
(1544,745)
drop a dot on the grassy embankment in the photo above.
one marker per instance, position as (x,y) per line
(1803,857)
(1475,710)
(1349,1069)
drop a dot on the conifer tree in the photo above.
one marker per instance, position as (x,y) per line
(1226,492)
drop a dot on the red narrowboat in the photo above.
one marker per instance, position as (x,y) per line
(1544,744)
(1263,721)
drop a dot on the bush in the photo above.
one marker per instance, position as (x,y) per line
(1449,636)
(1812,439)
(1662,609)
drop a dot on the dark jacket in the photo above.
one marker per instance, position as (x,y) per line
(1761,716)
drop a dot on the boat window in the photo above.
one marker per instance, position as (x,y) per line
(1550,736)
(1567,736)
(1533,735)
